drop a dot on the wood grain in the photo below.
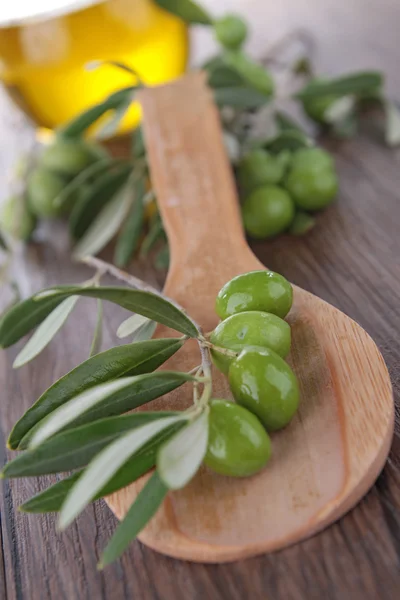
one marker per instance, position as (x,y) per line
(334,449)
(350,260)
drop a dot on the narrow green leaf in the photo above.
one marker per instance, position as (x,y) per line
(51,500)
(187,10)
(240,97)
(25,316)
(254,74)
(358,83)
(179,459)
(285,123)
(83,177)
(110,127)
(392,129)
(144,332)
(3,244)
(129,238)
(107,222)
(130,325)
(139,514)
(93,200)
(95,64)
(302,223)
(75,448)
(222,76)
(45,332)
(105,465)
(138,145)
(155,233)
(129,360)
(107,400)
(340,109)
(288,140)
(78,125)
(149,305)
(95,346)
(162,258)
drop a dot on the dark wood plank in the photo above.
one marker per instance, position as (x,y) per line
(351,259)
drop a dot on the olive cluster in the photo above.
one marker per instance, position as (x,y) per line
(278,190)
(249,346)
(58,164)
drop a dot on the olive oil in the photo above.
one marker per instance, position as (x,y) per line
(43,56)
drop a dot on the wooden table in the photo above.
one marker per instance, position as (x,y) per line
(351,259)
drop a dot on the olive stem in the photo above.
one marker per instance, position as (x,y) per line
(225,351)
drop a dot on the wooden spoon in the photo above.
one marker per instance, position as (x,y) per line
(334,449)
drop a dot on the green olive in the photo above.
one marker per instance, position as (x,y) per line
(70,157)
(238,445)
(251,328)
(16,219)
(230,31)
(267,211)
(312,180)
(259,168)
(257,290)
(263,382)
(43,188)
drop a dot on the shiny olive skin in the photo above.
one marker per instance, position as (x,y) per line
(238,445)
(43,188)
(257,290)
(267,211)
(258,168)
(230,31)
(70,157)
(263,382)
(312,181)
(250,328)
(16,219)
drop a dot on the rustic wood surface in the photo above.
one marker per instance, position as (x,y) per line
(351,260)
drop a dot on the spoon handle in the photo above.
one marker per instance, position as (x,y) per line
(192,177)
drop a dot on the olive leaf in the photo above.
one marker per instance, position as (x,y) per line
(162,259)
(107,222)
(130,325)
(302,223)
(107,400)
(129,360)
(74,448)
(187,10)
(145,331)
(148,304)
(392,128)
(51,499)
(45,332)
(21,318)
(179,459)
(240,97)
(110,127)
(289,139)
(95,64)
(340,109)
(221,75)
(98,331)
(285,123)
(139,514)
(138,145)
(3,244)
(106,464)
(77,126)
(129,238)
(98,194)
(83,177)
(155,233)
(358,84)
(252,73)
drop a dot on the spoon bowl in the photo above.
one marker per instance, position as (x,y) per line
(335,447)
